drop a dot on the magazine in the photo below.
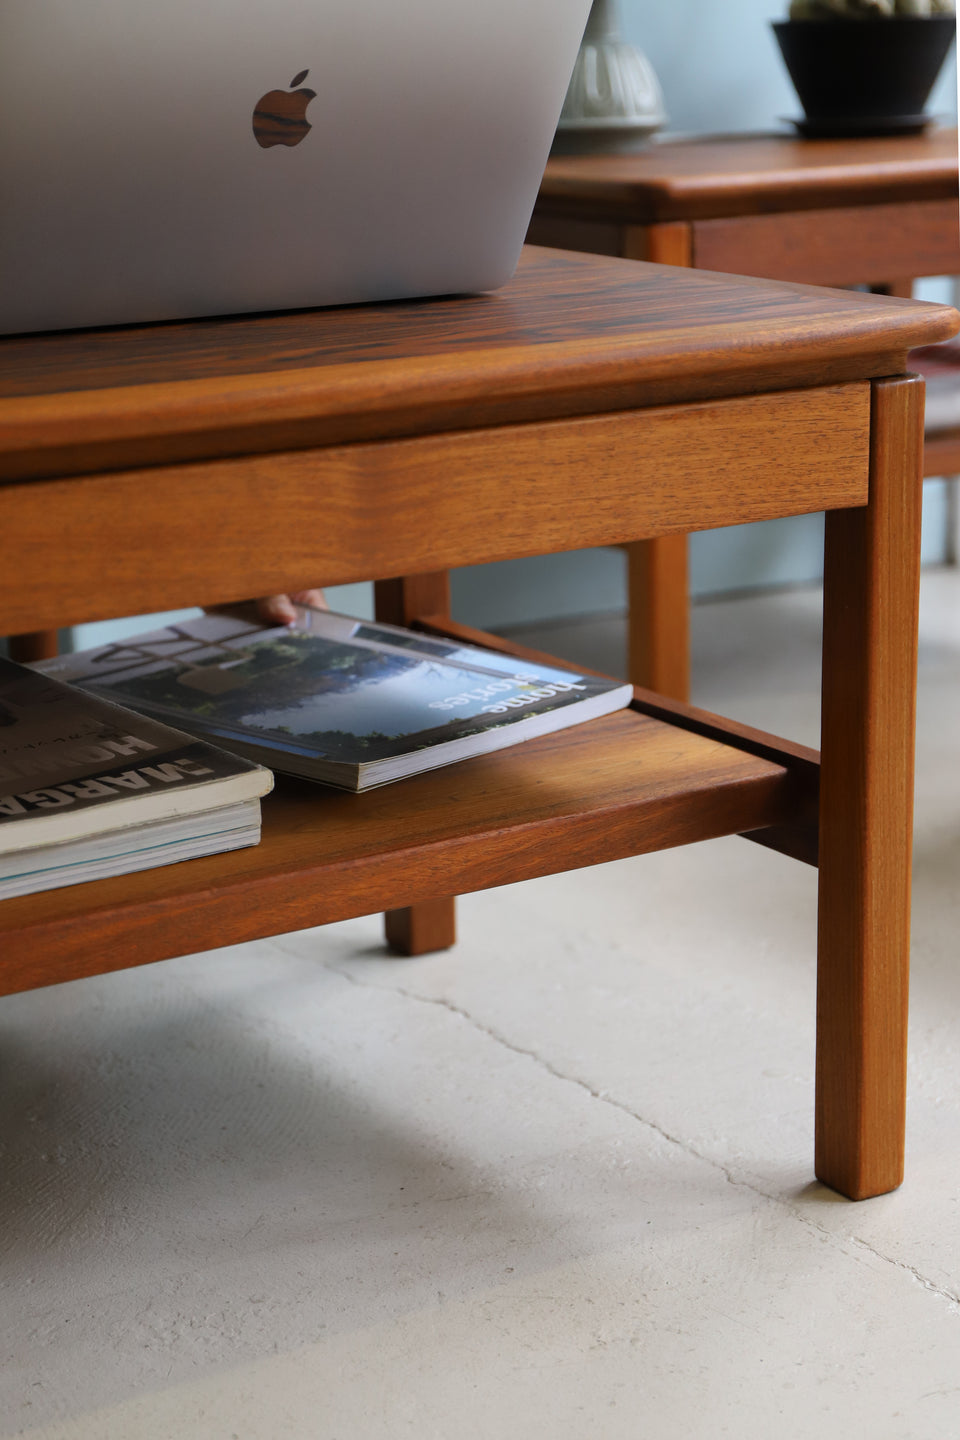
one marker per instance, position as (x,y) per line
(88,788)
(348,702)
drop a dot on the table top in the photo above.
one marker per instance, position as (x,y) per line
(715,176)
(569,334)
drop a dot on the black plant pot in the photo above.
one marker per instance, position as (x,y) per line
(865,76)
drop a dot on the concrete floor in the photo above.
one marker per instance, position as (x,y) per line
(555,1185)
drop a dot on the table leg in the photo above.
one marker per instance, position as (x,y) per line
(431,924)
(658,607)
(658,610)
(422,928)
(669,243)
(36,645)
(871,584)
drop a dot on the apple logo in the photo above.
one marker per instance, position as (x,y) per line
(280,117)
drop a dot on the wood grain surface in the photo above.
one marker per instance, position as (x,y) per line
(824,212)
(584,404)
(34,645)
(842,246)
(736,175)
(618,786)
(941,453)
(685,716)
(582,233)
(667,244)
(658,652)
(432,924)
(797,837)
(422,929)
(570,335)
(403,600)
(218,532)
(871,589)
(658,648)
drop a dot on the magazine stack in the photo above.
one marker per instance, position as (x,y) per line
(89,789)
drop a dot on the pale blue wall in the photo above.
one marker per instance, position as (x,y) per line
(719,65)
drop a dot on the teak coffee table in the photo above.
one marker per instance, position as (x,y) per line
(876,212)
(590,401)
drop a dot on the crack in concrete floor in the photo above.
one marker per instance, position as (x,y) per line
(952,1298)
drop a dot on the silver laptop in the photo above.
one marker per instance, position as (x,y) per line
(167,158)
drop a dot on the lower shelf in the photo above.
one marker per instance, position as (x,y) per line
(622,785)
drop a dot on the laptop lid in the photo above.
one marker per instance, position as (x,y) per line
(198,157)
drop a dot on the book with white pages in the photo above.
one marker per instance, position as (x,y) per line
(89,789)
(348,702)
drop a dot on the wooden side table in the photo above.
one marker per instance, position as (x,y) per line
(876,212)
(142,469)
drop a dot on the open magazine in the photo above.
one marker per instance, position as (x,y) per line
(348,702)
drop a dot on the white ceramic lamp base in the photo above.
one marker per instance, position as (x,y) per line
(614,101)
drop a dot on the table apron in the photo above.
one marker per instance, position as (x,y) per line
(859,245)
(132,542)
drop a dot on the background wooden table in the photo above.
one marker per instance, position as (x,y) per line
(876,212)
(146,468)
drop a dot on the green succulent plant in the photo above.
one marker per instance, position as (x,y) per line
(866,9)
